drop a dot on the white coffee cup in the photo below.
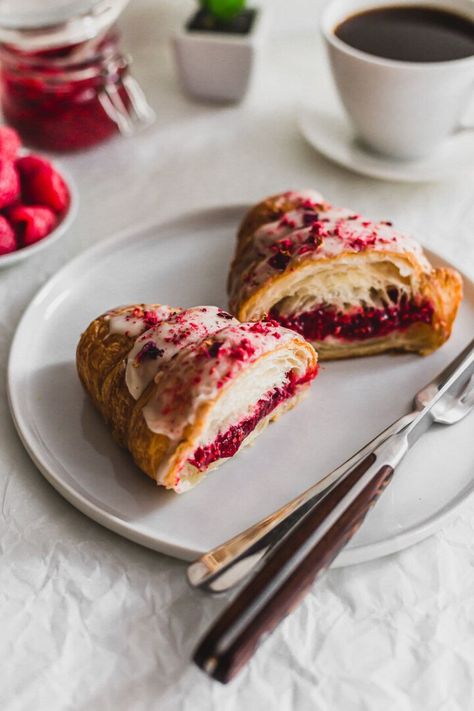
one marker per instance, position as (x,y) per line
(401,109)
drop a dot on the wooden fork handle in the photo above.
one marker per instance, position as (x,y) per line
(289,572)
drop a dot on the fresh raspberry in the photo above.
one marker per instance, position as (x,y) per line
(9,142)
(9,183)
(31,222)
(7,237)
(30,164)
(41,184)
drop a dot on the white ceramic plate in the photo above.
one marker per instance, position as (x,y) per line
(7,260)
(185,262)
(329,131)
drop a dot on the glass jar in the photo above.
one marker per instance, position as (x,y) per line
(66,86)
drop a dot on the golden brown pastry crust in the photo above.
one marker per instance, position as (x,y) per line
(442,287)
(98,352)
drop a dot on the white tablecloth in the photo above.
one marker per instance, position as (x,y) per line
(91,621)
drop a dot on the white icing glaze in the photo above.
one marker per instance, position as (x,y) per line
(163,341)
(133,322)
(297,235)
(198,372)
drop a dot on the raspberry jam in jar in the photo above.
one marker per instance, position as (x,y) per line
(65,85)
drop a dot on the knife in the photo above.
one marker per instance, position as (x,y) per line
(229,563)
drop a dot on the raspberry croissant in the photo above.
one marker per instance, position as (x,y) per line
(352,287)
(184,389)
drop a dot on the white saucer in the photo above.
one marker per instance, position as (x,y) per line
(329,131)
(185,262)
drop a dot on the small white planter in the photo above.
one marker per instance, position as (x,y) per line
(217,66)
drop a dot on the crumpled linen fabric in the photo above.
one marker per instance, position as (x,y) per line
(91,621)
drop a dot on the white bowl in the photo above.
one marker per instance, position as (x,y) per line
(6,260)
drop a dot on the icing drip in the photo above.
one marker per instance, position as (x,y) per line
(306,196)
(138,319)
(158,345)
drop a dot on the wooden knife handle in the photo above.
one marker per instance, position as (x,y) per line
(265,601)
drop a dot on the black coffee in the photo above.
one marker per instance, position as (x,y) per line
(409,34)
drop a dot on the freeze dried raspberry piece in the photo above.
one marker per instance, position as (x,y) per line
(31,222)
(9,142)
(7,237)
(9,183)
(41,184)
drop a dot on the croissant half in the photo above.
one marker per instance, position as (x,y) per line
(184,389)
(352,287)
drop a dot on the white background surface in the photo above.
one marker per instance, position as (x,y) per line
(91,621)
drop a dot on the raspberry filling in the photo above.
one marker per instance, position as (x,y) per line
(228,443)
(359,324)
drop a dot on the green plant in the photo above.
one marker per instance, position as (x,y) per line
(223,9)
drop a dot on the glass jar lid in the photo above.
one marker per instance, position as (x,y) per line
(43,24)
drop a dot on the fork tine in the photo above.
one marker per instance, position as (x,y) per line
(467,395)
